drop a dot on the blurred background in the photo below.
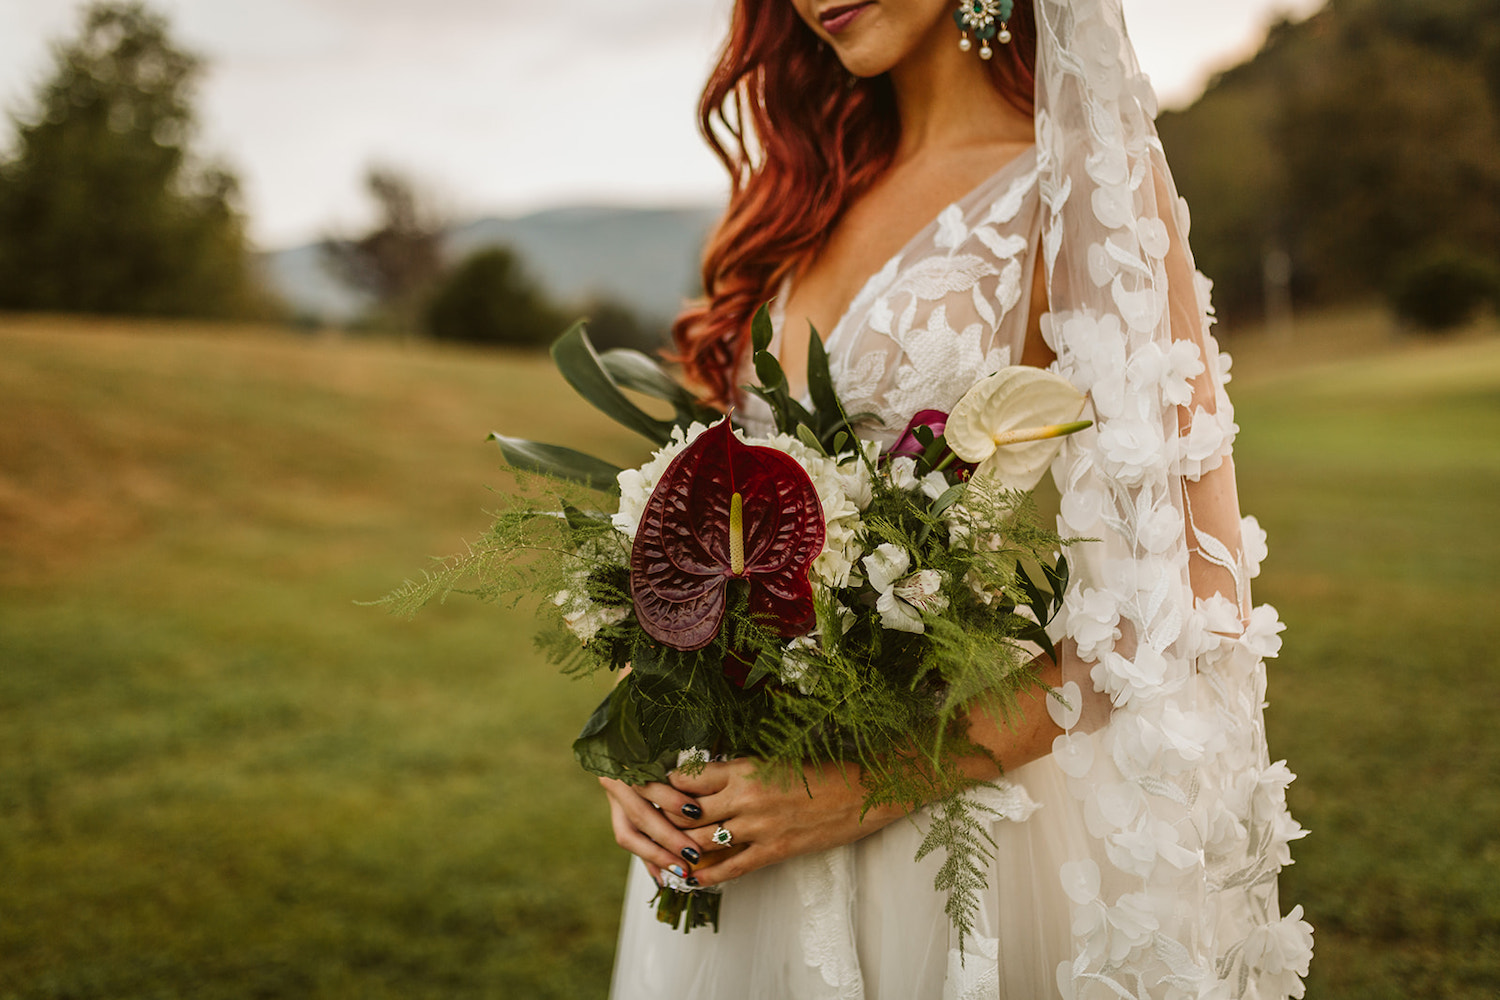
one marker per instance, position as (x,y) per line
(269,273)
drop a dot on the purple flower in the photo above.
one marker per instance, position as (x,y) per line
(908,445)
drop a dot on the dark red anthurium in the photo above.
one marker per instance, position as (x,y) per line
(725,510)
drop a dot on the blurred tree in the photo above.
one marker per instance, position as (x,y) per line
(101,207)
(489,299)
(399,262)
(614,324)
(1353,144)
(1444,289)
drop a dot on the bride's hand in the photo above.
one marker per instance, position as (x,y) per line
(652,821)
(769,821)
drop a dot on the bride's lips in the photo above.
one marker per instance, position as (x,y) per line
(836,19)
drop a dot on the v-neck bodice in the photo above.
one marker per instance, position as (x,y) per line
(948,308)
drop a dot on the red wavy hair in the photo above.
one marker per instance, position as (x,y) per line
(801,139)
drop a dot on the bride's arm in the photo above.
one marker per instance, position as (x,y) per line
(775,821)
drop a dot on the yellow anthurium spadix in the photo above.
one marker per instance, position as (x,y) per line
(1011,424)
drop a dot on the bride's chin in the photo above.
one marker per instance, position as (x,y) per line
(861,62)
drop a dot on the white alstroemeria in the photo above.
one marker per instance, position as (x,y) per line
(922,590)
(583,617)
(1011,422)
(886,570)
(887,564)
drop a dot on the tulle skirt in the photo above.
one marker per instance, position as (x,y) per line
(863,922)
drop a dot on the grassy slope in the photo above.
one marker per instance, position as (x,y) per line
(1378,481)
(220,778)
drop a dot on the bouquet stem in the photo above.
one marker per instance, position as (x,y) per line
(700,907)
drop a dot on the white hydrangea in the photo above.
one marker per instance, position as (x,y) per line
(636,485)
(844,489)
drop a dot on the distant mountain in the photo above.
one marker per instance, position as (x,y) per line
(644,258)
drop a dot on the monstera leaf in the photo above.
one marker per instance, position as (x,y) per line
(725,510)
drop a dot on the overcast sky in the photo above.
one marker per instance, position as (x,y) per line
(500,106)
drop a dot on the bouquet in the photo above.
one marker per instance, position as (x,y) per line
(802,596)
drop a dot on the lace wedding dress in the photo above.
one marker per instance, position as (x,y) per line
(1139,859)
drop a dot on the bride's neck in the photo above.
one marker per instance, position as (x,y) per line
(946,101)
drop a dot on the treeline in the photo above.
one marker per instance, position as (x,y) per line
(105,208)
(1362,148)
(486,298)
(1357,156)
(102,207)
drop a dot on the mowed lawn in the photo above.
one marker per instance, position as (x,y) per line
(221,777)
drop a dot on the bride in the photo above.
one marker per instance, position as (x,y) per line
(939,195)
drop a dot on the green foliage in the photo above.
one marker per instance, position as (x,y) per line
(1352,141)
(102,208)
(960,830)
(489,299)
(1445,289)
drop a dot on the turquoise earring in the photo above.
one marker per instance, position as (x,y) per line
(986,19)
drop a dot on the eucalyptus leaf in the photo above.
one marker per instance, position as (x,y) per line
(820,388)
(769,371)
(555,460)
(638,371)
(581,365)
(761,330)
(810,439)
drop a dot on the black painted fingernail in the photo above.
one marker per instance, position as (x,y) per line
(690,880)
(691,855)
(692,810)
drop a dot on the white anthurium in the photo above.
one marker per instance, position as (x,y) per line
(1011,424)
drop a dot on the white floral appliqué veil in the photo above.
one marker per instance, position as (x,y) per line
(1178,789)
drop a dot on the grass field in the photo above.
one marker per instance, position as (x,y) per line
(220,777)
